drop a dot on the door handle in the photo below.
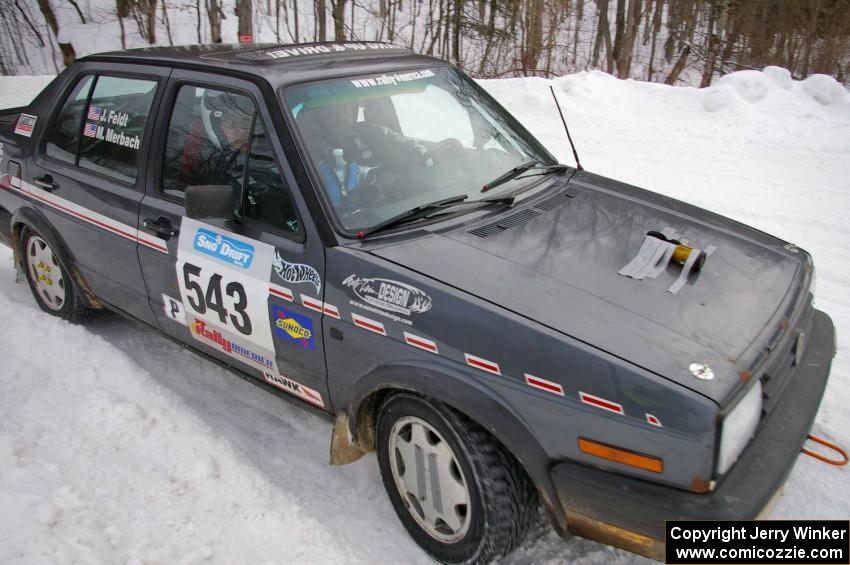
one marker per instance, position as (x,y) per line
(161,227)
(45,182)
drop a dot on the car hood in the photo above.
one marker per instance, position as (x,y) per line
(556,259)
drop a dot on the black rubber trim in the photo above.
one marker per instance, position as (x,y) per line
(642,507)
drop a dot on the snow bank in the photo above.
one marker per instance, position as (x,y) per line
(117,446)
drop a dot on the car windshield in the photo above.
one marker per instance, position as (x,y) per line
(384,144)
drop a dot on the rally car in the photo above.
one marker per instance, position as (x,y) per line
(368,231)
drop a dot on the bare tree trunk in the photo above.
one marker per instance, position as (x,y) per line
(603,37)
(77,8)
(533,44)
(245,9)
(29,23)
(338,14)
(491,30)
(295,14)
(579,18)
(67,49)
(214,14)
(167,23)
(277,21)
(321,22)
(656,27)
(679,66)
(619,31)
(121,25)
(624,56)
(458,26)
(151,20)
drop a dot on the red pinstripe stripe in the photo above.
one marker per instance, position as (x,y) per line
(544,384)
(600,402)
(420,343)
(280,293)
(483,364)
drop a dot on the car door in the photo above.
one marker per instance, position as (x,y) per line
(248,290)
(86,176)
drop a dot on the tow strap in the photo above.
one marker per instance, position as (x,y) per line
(837,462)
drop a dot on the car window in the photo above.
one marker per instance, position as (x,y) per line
(428,114)
(64,136)
(207,142)
(114,126)
(267,198)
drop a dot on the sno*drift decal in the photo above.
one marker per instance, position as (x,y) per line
(223,248)
(296,272)
(293,327)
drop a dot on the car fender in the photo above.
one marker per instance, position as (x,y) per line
(459,390)
(29,217)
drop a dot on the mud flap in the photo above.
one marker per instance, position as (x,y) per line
(343,449)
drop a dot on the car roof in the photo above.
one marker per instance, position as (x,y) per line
(280,64)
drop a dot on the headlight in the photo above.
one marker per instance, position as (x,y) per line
(738,427)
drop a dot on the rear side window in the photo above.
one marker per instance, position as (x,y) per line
(114,126)
(64,136)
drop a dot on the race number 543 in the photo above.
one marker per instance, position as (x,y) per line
(209,292)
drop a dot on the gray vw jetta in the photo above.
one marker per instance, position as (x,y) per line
(368,231)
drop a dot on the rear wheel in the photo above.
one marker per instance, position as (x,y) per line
(461,497)
(51,284)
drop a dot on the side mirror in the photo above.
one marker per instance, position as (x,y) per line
(214,201)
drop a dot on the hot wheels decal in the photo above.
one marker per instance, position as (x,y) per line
(293,327)
(385,296)
(296,272)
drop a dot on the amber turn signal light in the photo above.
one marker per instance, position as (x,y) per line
(618,455)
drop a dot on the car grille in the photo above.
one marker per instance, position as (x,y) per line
(780,359)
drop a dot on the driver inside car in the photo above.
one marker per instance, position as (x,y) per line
(348,153)
(218,156)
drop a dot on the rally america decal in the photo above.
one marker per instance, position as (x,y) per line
(224,289)
(296,272)
(295,389)
(232,345)
(388,298)
(25,125)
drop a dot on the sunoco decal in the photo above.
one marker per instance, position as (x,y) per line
(25,125)
(296,272)
(223,248)
(386,295)
(293,327)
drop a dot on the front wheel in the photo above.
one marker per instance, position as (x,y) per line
(459,494)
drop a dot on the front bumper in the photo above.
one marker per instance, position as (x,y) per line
(630,513)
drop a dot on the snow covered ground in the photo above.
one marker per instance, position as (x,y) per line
(117,446)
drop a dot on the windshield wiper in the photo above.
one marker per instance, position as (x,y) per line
(519,169)
(425,210)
